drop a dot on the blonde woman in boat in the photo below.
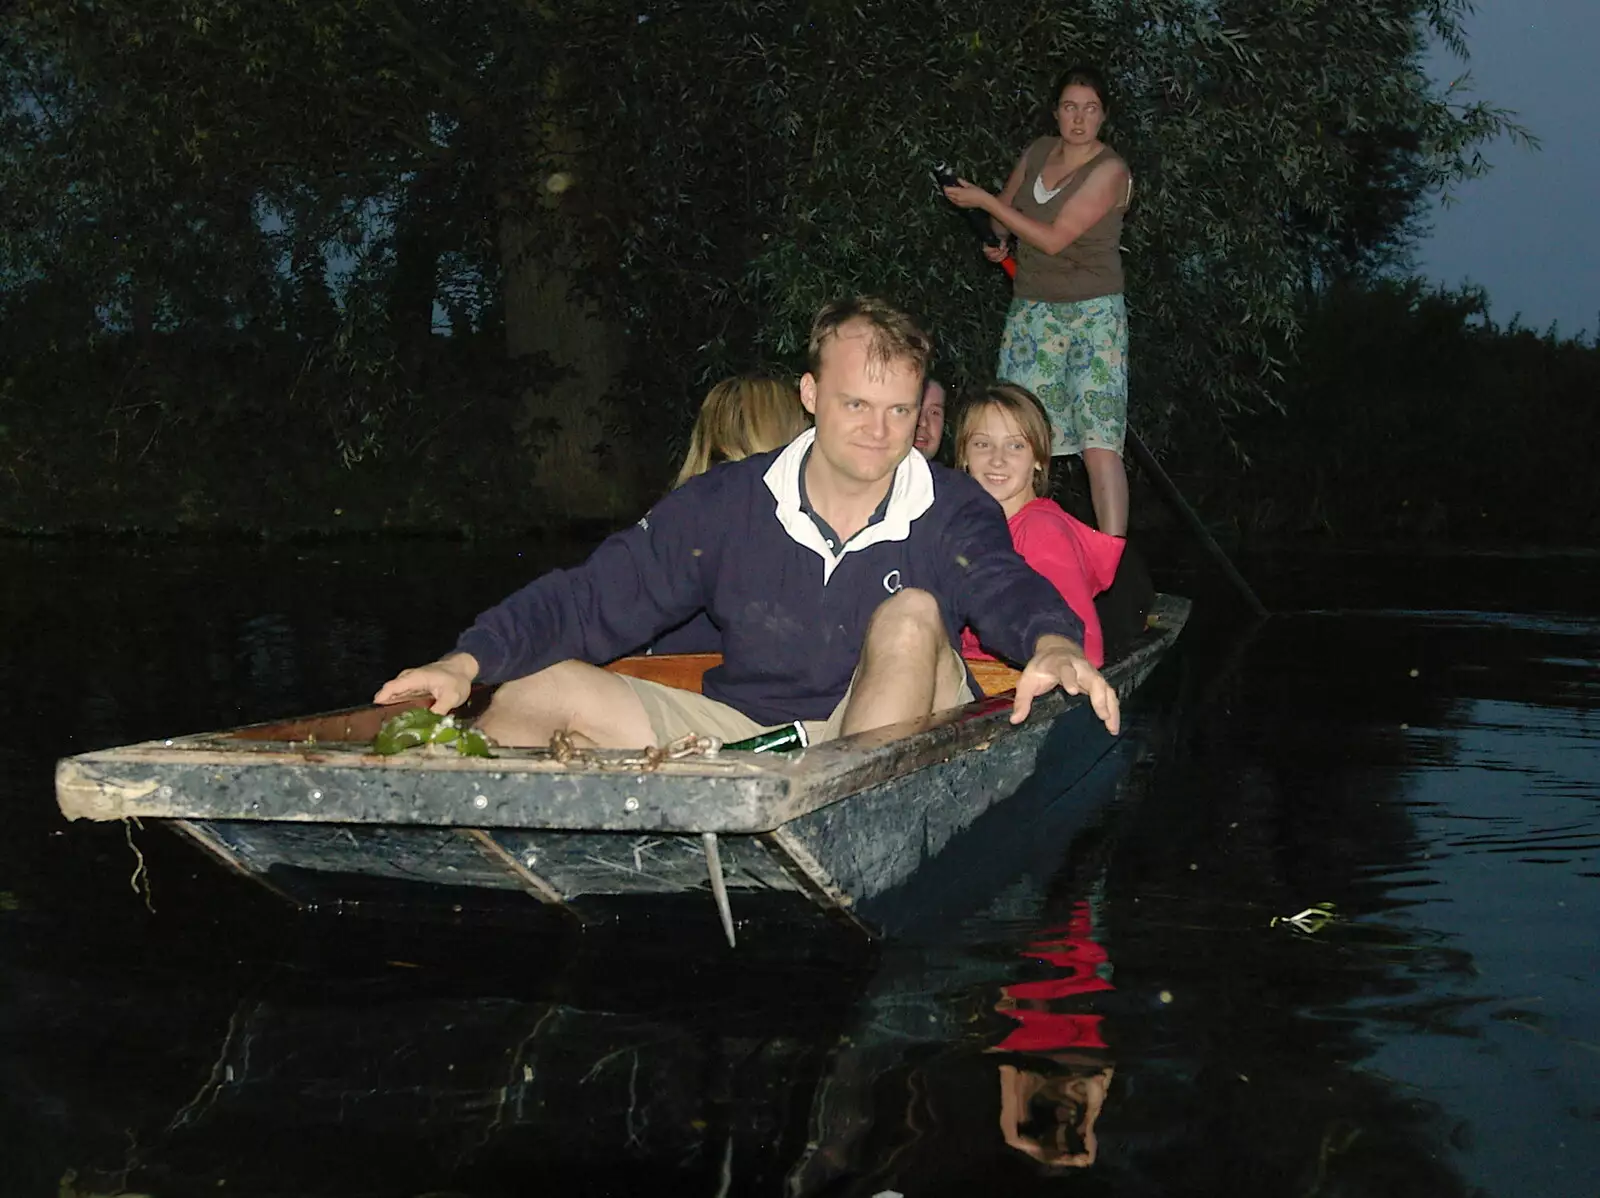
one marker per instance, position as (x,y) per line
(741,417)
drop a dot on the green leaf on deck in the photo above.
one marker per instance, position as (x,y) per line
(420,726)
(406,731)
(473,744)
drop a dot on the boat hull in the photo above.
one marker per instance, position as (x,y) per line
(843,826)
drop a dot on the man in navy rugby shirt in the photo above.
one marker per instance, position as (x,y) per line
(840,571)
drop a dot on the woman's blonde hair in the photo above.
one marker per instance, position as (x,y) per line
(1021,405)
(742,416)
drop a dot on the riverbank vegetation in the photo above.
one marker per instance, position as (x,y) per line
(1407,414)
(269,269)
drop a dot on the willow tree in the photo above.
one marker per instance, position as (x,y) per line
(345,174)
(780,155)
(618,203)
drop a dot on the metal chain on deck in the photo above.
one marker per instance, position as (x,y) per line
(566,751)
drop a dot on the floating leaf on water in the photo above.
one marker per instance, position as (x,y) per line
(1310,921)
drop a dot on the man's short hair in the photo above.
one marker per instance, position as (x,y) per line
(894,336)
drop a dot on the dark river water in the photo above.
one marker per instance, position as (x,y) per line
(1414,741)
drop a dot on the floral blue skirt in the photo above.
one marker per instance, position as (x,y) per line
(1074,357)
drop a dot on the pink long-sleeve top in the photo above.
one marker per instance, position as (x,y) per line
(1078,560)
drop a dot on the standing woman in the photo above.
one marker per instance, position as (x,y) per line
(1066,335)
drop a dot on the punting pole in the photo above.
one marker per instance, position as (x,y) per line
(1169,489)
(719,888)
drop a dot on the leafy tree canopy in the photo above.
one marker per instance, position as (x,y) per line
(645,197)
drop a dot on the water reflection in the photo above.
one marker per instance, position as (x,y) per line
(1120,1015)
(350,1081)
(1052,1090)
(905,1104)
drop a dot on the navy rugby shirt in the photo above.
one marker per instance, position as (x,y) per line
(830,538)
(737,543)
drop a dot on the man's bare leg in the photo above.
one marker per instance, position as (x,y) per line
(597,707)
(908,669)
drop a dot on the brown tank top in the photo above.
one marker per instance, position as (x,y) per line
(1092,265)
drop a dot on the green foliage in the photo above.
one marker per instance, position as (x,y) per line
(1411,415)
(766,157)
(420,727)
(221,246)
(253,430)
(227,229)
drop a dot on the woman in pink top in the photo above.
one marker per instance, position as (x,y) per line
(1003,441)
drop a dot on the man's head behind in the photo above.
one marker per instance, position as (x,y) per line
(864,386)
(930,424)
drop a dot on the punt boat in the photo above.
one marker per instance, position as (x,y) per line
(306,808)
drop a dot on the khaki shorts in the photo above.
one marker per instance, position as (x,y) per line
(674,713)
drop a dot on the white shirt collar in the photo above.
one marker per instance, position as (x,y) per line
(910,495)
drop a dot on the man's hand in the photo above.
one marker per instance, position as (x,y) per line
(447,682)
(1059,662)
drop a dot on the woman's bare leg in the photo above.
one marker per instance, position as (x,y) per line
(1108,490)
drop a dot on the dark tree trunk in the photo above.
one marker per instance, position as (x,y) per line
(569,420)
(415,282)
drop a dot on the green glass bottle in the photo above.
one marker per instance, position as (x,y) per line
(779,740)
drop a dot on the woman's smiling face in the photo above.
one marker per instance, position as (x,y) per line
(999,457)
